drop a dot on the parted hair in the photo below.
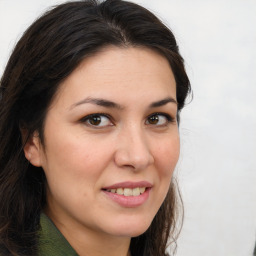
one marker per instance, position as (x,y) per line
(47,53)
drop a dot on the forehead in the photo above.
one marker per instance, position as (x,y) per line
(132,71)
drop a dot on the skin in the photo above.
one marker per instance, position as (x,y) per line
(80,158)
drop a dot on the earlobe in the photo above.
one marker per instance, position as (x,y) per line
(32,149)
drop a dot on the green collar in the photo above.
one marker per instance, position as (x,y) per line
(51,241)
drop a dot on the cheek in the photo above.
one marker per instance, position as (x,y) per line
(74,159)
(166,156)
(75,164)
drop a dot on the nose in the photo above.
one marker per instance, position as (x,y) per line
(133,150)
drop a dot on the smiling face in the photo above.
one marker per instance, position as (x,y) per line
(111,144)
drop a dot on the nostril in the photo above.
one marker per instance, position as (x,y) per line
(133,152)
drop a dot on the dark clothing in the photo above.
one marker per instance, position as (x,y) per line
(51,241)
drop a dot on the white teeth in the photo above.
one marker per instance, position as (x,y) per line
(128,191)
(120,191)
(136,192)
(142,190)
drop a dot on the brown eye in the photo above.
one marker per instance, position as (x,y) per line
(97,120)
(94,120)
(159,119)
(153,119)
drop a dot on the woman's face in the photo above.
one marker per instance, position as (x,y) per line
(111,143)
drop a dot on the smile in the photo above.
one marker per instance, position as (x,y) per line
(129,194)
(128,191)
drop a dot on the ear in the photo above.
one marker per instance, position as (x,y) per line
(32,148)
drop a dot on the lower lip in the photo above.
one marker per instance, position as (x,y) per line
(129,201)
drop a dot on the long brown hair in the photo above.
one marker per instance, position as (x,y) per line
(50,49)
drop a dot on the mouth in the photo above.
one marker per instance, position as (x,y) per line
(128,191)
(129,194)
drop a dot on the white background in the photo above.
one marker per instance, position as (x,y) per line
(217,169)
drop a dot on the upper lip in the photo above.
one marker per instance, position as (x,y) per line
(130,184)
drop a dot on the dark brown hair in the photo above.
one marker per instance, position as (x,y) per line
(51,48)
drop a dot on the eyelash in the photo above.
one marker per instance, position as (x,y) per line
(169,119)
(87,118)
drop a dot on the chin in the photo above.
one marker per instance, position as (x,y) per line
(133,228)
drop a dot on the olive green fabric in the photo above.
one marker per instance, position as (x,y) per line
(51,241)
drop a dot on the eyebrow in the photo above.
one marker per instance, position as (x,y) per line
(99,102)
(111,104)
(163,102)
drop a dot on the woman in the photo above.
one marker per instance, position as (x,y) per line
(90,106)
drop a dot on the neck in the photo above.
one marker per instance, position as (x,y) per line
(100,246)
(88,242)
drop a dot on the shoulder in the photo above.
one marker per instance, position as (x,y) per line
(51,241)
